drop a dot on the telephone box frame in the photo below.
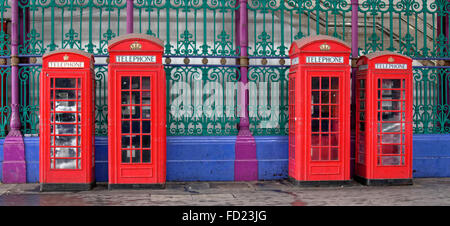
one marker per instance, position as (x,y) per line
(135,56)
(319,58)
(371,68)
(67,64)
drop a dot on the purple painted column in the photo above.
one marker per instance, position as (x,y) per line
(14,167)
(246,164)
(353,91)
(130,16)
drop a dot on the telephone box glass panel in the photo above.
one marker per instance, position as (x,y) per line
(391,122)
(136,119)
(65,123)
(324,118)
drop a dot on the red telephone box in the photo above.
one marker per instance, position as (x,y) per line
(319,111)
(384,119)
(136,112)
(66,148)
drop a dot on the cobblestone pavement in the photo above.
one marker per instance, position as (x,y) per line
(424,192)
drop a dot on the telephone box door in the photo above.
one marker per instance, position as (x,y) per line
(136,158)
(326,117)
(393,140)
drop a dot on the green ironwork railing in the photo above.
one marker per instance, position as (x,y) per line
(201,52)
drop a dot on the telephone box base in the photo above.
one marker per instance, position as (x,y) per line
(319,183)
(136,186)
(382,182)
(65,187)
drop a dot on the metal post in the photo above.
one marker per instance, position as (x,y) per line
(14,167)
(353,79)
(130,8)
(246,164)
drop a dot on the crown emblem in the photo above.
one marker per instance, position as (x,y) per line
(65,57)
(135,46)
(390,59)
(325,47)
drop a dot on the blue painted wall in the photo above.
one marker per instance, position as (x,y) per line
(212,158)
(200,158)
(272,154)
(431,156)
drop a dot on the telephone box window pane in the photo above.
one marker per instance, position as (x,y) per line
(334,140)
(146,156)
(391,139)
(146,141)
(136,141)
(391,94)
(325,97)
(334,97)
(390,127)
(136,97)
(135,83)
(125,112)
(315,83)
(65,163)
(126,127)
(125,156)
(390,149)
(334,125)
(315,152)
(334,83)
(325,140)
(145,97)
(135,156)
(315,140)
(325,83)
(315,111)
(146,113)
(391,105)
(146,83)
(66,94)
(136,112)
(325,126)
(391,116)
(66,141)
(65,83)
(65,106)
(390,160)
(334,154)
(325,154)
(362,126)
(126,142)
(125,82)
(126,97)
(391,83)
(65,152)
(315,97)
(315,125)
(136,126)
(65,129)
(146,126)
(325,111)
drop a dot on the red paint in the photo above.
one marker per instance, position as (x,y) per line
(384,117)
(136,111)
(67,141)
(319,110)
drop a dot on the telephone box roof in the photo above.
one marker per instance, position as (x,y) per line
(135,36)
(373,55)
(316,38)
(75,51)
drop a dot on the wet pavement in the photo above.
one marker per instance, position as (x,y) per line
(424,192)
